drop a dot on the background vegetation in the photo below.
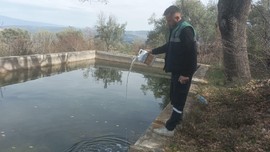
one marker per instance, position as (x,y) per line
(237,117)
(108,35)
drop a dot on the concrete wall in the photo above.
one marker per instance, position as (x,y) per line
(123,58)
(14,63)
(18,76)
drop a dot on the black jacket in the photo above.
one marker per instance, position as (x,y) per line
(181,53)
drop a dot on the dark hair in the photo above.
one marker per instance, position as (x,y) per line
(171,10)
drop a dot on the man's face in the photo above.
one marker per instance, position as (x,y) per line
(173,19)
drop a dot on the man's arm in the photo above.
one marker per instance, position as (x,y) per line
(160,50)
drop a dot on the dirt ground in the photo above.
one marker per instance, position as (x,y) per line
(236,119)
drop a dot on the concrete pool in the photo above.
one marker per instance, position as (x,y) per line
(63,108)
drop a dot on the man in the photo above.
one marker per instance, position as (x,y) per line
(181,62)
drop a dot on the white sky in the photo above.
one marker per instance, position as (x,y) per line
(75,13)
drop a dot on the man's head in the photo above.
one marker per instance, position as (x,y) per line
(173,15)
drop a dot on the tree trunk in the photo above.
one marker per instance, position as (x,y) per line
(232,18)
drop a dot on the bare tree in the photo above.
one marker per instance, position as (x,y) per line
(232,19)
(43,42)
(70,40)
(259,39)
(18,41)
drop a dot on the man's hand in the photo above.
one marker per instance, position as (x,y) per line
(183,79)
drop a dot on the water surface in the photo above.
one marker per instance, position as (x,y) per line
(58,112)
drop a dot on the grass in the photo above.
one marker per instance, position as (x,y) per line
(236,119)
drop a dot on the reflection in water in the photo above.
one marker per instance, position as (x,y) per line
(107,75)
(158,85)
(101,144)
(19,76)
(77,106)
(160,88)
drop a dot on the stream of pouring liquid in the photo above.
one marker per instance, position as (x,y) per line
(130,68)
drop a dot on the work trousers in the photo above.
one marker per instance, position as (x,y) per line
(178,96)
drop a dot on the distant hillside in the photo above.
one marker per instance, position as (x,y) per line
(34,29)
(8,21)
(135,35)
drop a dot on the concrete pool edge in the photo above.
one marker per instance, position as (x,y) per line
(14,63)
(38,61)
